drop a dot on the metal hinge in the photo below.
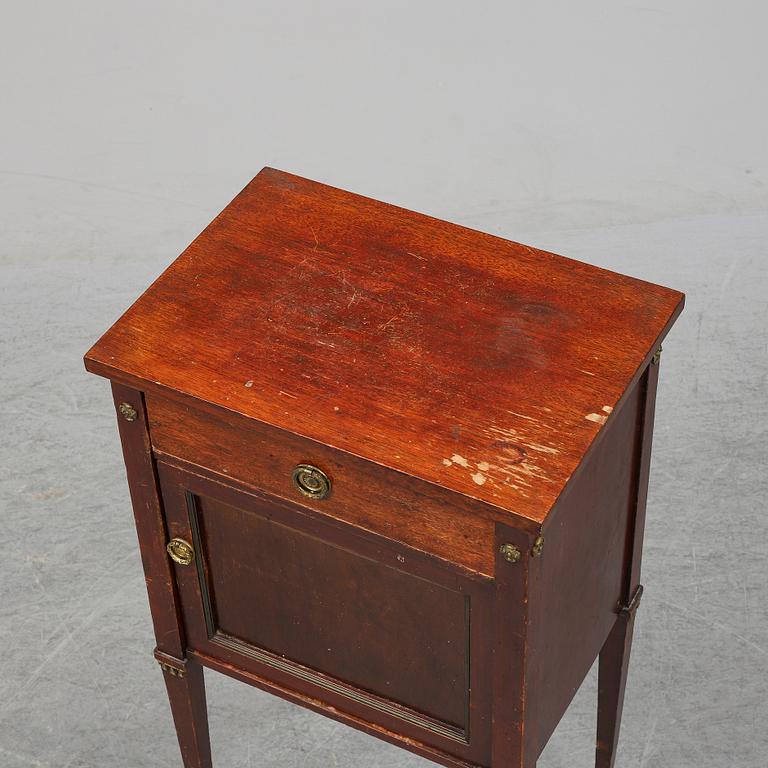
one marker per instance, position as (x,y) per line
(630,608)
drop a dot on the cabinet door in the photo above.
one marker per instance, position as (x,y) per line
(333,615)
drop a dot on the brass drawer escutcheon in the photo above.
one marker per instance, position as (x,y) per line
(181,552)
(311,481)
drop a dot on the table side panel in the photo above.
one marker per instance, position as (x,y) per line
(577,584)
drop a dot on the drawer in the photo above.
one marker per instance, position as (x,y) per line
(321,610)
(364,494)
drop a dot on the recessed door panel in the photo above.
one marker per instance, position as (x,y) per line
(377,628)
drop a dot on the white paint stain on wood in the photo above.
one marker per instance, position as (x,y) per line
(541,448)
(479,478)
(509,432)
(529,469)
(515,456)
(520,440)
(598,418)
(460,460)
(520,415)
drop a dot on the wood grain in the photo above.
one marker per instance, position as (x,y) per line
(578,582)
(150,522)
(314,606)
(186,695)
(614,656)
(392,504)
(463,359)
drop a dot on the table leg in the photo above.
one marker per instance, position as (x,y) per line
(612,681)
(185,684)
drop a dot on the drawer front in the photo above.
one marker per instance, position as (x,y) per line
(348,619)
(363,494)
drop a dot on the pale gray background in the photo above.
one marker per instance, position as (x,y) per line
(628,134)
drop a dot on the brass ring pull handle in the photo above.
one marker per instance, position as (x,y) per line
(311,481)
(180,551)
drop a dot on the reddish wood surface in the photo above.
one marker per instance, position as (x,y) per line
(612,682)
(186,695)
(509,706)
(150,523)
(614,656)
(634,547)
(475,363)
(314,606)
(578,582)
(365,494)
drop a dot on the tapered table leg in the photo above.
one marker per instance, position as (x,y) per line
(612,681)
(186,693)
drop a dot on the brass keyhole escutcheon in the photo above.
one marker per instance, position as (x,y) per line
(510,553)
(181,552)
(311,481)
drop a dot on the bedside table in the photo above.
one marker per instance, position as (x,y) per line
(389,469)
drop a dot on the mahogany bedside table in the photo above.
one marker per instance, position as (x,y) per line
(389,469)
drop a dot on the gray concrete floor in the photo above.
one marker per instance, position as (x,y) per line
(607,132)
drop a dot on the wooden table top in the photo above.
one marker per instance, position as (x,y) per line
(469,361)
